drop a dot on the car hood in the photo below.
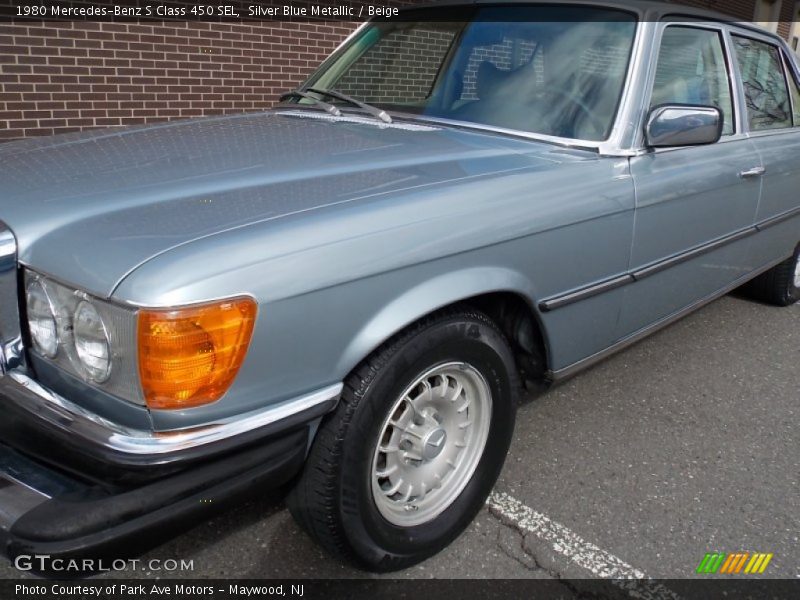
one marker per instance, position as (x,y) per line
(91,208)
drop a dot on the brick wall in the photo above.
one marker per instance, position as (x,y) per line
(745,9)
(59,77)
(67,76)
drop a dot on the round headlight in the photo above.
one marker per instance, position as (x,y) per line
(42,320)
(91,342)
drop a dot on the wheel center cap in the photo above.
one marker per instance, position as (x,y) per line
(433,443)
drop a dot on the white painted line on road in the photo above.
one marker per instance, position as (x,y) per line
(585,554)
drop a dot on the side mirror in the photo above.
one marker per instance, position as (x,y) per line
(672,125)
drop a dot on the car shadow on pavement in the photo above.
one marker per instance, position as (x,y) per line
(252,538)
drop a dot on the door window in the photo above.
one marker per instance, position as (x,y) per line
(692,70)
(765,91)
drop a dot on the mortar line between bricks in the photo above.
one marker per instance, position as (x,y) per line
(579,551)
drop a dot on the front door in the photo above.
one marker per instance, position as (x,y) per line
(695,206)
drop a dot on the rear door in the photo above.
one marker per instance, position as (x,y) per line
(771,96)
(695,206)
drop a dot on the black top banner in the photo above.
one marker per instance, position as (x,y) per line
(232,10)
(258,10)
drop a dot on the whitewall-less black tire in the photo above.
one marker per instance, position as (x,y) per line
(408,457)
(780,285)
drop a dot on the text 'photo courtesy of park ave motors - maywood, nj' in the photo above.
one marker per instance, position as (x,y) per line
(156,590)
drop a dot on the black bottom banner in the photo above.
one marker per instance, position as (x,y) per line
(380,589)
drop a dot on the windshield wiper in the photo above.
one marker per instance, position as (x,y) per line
(329,108)
(374,111)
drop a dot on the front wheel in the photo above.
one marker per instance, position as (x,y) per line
(420,435)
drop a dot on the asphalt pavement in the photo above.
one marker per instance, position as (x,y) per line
(686,443)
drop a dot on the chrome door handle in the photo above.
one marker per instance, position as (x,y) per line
(754,172)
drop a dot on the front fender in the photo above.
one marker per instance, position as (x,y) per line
(439,290)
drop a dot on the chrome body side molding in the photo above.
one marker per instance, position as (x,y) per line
(625,342)
(665,264)
(778,219)
(587,292)
(561,300)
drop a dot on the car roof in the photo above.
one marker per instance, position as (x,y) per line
(646,10)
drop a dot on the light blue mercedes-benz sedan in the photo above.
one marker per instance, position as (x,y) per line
(350,291)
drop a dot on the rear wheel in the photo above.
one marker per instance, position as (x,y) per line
(780,285)
(409,456)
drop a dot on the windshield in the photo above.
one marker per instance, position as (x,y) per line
(551,70)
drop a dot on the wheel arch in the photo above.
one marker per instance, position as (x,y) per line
(506,296)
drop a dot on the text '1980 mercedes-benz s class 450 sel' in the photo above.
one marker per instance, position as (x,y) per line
(348,292)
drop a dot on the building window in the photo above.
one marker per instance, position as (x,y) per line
(767,14)
(794,33)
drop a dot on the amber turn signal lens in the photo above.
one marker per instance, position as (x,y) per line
(190,356)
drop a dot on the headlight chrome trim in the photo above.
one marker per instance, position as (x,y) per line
(31,290)
(119,324)
(95,376)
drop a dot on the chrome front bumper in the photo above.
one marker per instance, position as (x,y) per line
(46,511)
(11,354)
(130,446)
(73,484)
